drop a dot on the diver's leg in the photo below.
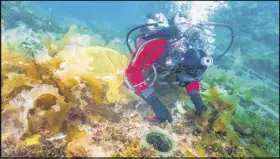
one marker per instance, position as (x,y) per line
(193,89)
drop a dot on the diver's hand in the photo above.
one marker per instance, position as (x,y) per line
(161,112)
(200,107)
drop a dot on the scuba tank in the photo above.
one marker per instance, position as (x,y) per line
(205,61)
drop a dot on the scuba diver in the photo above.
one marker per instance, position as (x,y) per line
(166,46)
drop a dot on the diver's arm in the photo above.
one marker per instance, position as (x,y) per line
(193,89)
(161,112)
(134,74)
(147,94)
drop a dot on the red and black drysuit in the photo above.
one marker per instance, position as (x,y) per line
(151,49)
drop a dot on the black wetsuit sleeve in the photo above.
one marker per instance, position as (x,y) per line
(168,33)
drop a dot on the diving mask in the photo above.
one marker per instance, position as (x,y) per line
(158,18)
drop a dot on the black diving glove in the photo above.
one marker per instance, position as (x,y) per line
(159,109)
(198,103)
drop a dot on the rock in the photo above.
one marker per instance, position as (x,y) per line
(248,131)
(243,130)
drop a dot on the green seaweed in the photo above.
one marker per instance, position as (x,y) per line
(241,130)
(21,12)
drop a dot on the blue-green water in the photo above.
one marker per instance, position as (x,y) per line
(243,85)
(118,14)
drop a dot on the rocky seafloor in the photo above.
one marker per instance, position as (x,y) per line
(63,95)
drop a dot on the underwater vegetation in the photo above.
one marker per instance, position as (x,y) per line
(16,12)
(256,27)
(62,95)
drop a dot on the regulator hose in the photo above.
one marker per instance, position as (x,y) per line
(132,30)
(208,23)
(200,24)
(232,36)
